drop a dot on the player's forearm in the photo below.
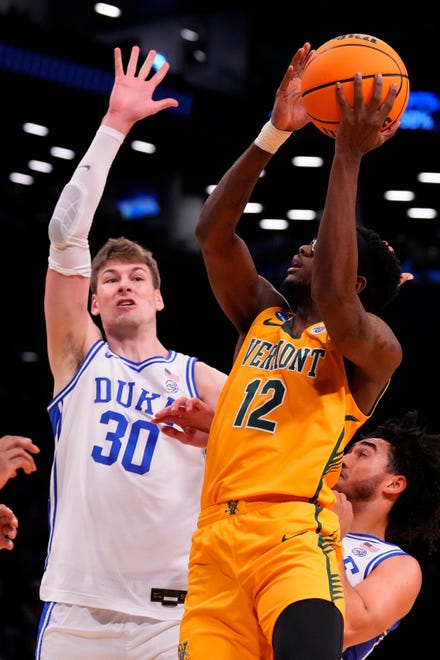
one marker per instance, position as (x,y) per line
(335,261)
(223,209)
(72,218)
(356,624)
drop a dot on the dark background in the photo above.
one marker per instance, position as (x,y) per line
(229,97)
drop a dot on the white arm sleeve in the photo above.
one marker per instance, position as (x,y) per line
(72,218)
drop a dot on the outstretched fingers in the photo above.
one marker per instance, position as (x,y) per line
(296,66)
(160,73)
(133,62)
(119,69)
(145,69)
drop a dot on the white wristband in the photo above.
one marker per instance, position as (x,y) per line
(270,138)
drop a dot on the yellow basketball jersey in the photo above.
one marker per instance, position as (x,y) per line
(283,419)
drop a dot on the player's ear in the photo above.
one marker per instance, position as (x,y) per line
(159,301)
(396,484)
(361,283)
(94,311)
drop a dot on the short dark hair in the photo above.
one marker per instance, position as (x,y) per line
(378,263)
(415,453)
(127,251)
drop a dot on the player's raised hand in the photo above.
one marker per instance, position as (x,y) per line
(131,98)
(360,127)
(288,113)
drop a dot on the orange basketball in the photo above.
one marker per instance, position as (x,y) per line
(337,60)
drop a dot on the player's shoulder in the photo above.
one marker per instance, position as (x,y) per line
(204,370)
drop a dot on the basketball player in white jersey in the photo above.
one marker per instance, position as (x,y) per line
(124,498)
(388,502)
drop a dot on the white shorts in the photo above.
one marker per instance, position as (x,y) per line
(70,632)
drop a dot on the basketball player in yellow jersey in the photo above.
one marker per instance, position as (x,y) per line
(311,365)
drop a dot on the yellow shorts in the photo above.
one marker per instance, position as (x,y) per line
(248,562)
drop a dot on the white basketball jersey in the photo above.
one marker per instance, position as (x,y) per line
(124,498)
(362,554)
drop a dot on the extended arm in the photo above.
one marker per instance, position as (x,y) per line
(240,291)
(363,338)
(70,329)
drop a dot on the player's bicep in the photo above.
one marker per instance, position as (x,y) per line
(365,340)
(69,326)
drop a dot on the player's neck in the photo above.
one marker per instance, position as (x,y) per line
(305,316)
(369,518)
(138,349)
